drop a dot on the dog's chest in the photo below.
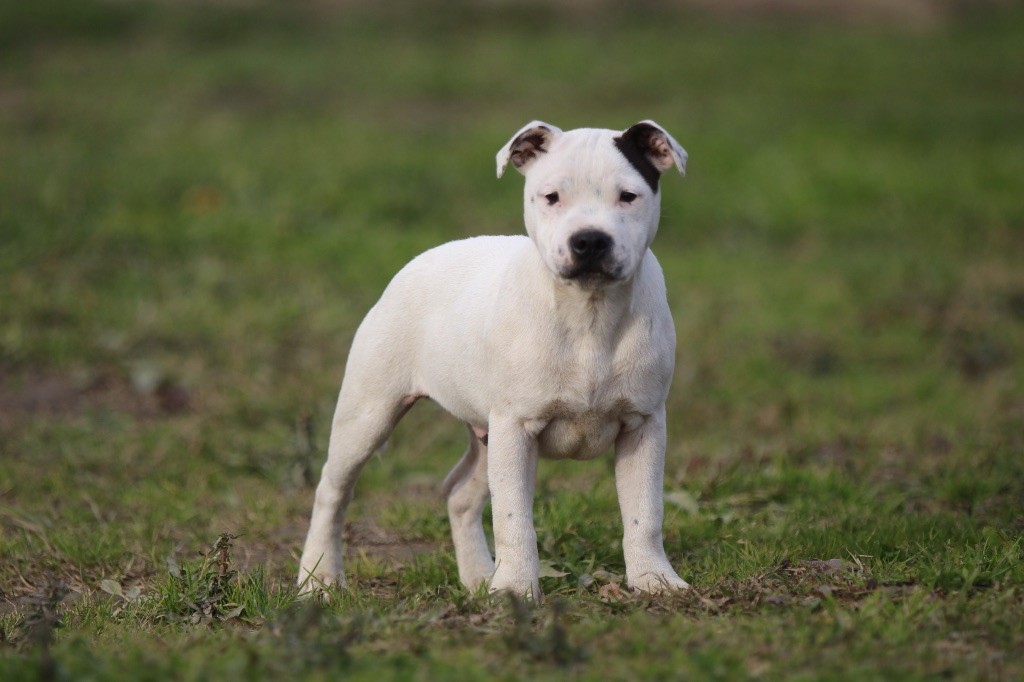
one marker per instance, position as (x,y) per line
(587,394)
(573,434)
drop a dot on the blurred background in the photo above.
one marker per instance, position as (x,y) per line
(200,200)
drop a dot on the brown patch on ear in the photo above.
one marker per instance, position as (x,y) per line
(529,142)
(651,150)
(659,152)
(653,144)
(527,147)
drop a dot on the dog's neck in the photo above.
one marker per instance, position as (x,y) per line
(599,311)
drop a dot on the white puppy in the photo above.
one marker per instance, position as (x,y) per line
(558,345)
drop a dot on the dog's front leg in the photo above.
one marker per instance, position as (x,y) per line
(511,474)
(639,479)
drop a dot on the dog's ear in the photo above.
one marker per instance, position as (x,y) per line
(651,150)
(532,139)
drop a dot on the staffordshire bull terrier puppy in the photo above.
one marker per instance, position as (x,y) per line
(558,344)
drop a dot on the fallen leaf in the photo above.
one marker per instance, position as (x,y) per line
(111,587)
(233,613)
(606,576)
(610,593)
(549,571)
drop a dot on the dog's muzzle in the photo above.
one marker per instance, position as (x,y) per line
(591,255)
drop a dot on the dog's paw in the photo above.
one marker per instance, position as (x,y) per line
(474,582)
(519,585)
(313,583)
(658,582)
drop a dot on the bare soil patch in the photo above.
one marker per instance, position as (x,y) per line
(363,540)
(47,393)
(903,12)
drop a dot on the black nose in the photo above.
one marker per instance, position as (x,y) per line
(590,245)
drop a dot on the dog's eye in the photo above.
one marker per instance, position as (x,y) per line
(552,198)
(627,197)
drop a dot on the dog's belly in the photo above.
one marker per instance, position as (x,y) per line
(582,436)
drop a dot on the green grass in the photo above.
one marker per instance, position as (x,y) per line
(197,206)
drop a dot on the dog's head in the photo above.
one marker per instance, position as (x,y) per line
(591,202)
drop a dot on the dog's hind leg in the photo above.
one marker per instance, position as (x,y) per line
(467,492)
(374,396)
(357,431)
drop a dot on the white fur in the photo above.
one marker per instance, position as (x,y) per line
(537,363)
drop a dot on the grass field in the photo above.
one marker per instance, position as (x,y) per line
(198,204)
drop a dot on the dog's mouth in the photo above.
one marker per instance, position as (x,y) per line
(591,275)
